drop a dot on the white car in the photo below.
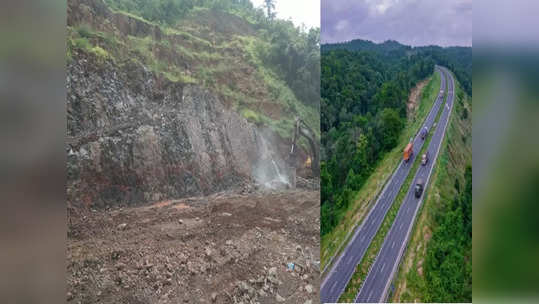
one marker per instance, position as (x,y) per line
(424,158)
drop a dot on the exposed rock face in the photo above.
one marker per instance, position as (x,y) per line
(137,137)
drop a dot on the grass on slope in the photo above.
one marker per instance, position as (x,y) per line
(455,155)
(368,259)
(332,243)
(227,63)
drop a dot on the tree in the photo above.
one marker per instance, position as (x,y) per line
(325,178)
(270,8)
(390,126)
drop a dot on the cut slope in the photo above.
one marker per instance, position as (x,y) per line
(159,110)
(210,47)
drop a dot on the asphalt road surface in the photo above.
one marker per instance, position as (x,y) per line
(376,285)
(343,268)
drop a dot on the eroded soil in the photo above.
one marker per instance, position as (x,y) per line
(225,248)
(415,97)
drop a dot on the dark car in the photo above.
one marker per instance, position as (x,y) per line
(424,132)
(419,188)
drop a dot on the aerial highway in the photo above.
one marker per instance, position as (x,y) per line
(376,285)
(344,266)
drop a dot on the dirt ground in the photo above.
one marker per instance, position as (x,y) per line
(414,98)
(225,248)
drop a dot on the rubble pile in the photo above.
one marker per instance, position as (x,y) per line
(260,247)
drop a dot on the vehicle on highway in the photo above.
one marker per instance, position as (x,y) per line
(425,158)
(408,151)
(424,132)
(419,187)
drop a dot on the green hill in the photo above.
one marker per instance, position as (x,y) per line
(457,59)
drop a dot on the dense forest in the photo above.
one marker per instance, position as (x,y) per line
(363,111)
(389,49)
(457,59)
(450,249)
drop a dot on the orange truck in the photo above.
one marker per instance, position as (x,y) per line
(408,151)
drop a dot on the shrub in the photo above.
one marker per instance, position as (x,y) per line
(100,52)
(82,43)
(251,116)
(85,31)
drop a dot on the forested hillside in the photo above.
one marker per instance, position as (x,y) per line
(363,111)
(457,59)
(389,48)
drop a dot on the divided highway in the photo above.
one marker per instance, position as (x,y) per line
(376,285)
(343,268)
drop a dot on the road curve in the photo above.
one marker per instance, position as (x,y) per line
(376,285)
(343,268)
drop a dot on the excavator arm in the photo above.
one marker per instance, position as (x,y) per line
(301,128)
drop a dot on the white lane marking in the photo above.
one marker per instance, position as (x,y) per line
(333,287)
(400,228)
(393,245)
(350,259)
(382,269)
(369,295)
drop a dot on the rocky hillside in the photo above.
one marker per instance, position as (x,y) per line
(158,111)
(138,137)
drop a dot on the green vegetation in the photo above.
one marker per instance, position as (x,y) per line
(165,12)
(252,116)
(457,59)
(366,196)
(448,267)
(437,263)
(86,45)
(368,259)
(359,152)
(228,46)
(270,7)
(363,113)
